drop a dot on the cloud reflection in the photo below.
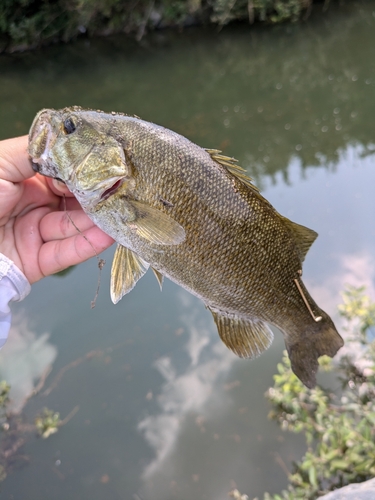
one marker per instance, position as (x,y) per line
(23,360)
(353,270)
(188,390)
(191,389)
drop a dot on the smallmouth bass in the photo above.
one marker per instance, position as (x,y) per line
(192,215)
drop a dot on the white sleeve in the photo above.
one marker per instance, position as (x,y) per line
(14,286)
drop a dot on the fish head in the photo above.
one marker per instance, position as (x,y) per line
(74,146)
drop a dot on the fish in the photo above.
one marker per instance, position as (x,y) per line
(194,216)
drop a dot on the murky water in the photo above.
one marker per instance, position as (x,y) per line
(165,411)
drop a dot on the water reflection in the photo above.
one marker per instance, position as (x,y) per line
(174,416)
(264,97)
(185,391)
(24,361)
(352,270)
(189,397)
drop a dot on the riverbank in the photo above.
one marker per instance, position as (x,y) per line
(28,24)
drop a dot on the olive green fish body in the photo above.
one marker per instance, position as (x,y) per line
(193,216)
(219,259)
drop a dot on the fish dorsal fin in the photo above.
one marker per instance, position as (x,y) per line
(246,337)
(159,277)
(154,225)
(303,236)
(127,269)
(230,164)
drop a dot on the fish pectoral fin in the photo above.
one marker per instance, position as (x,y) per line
(246,337)
(159,277)
(303,237)
(155,226)
(127,269)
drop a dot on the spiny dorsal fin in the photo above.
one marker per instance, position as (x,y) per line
(159,277)
(246,337)
(230,164)
(303,236)
(127,269)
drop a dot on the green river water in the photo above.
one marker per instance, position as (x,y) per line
(165,411)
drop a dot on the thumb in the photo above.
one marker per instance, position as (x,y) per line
(15,164)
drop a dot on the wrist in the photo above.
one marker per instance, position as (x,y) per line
(18,280)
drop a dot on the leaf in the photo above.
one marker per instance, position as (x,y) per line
(312,476)
(339,465)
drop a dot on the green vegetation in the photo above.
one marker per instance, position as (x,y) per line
(47,423)
(14,432)
(30,23)
(274,11)
(4,398)
(339,428)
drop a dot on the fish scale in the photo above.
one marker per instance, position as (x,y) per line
(194,217)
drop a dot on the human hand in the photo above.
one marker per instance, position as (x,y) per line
(35,231)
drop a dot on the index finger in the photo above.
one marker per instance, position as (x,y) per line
(15,165)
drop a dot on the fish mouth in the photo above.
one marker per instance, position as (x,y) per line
(42,137)
(112,190)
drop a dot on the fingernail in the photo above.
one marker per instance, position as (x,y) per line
(58,184)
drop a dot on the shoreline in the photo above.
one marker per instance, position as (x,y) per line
(36,24)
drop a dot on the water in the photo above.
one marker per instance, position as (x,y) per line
(165,411)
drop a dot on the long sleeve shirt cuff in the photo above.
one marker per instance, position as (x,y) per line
(14,286)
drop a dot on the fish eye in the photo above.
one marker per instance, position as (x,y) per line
(69,126)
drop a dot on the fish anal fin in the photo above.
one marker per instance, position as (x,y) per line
(127,269)
(154,225)
(159,277)
(303,236)
(246,337)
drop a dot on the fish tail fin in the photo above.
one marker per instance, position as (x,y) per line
(320,339)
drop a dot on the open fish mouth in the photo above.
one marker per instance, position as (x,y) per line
(112,190)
